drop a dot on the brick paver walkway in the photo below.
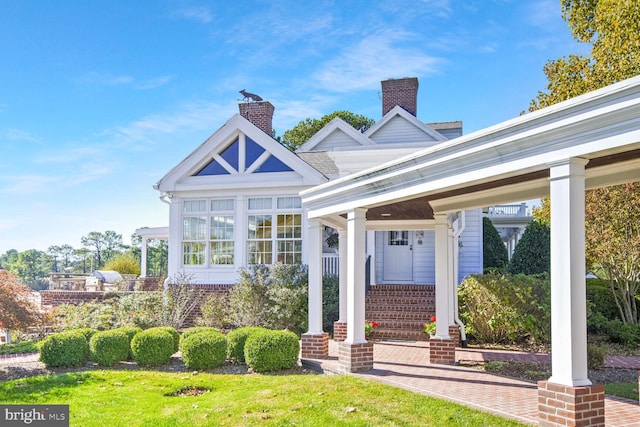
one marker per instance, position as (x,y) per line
(406,365)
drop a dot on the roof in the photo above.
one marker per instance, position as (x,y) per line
(321,161)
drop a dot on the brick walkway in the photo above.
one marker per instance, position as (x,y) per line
(406,365)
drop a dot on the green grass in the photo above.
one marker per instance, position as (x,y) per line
(142,398)
(626,390)
(21,347)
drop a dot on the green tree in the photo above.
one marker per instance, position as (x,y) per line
(83,255)
(494,252)
(125,263)
(31,267)
(303,131)
(613,243)
(532,254)
(8,258)
(103,245)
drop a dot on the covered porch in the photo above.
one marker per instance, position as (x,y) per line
(587,142)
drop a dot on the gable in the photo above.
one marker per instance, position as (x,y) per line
(239,155)
(336,139)
(399,130)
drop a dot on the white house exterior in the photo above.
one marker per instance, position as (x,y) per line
(234,201)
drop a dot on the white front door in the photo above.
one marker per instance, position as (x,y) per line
(398,256)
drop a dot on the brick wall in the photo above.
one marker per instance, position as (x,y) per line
(260,114)
(561,405)
(402,92)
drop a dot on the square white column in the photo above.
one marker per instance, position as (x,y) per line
(143,257)
(356,232)
(342,278)
(443,253)
(568,283)
(314,246)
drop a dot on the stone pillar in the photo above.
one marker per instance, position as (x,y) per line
(561,405)
(355,353)
(340,327)
(315,343)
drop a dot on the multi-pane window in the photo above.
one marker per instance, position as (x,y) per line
(281,241)
(216,245)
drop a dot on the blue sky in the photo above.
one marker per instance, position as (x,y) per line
(98,100)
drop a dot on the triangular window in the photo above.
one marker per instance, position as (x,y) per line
(273,164)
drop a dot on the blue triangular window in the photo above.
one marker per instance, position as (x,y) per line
(273,164)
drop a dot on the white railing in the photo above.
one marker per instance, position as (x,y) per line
(508,210)
(331,264)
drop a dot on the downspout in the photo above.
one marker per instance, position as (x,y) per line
(456,249)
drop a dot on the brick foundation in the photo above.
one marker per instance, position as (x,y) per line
(315,346)
(355,357)
(454,333)
(339,331)
(560,405)
(442,351)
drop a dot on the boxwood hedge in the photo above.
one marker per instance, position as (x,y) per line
(267,351)
(204,350)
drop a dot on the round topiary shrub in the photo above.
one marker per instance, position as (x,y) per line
(174,333)
(236,340)
(109,347)
(152,347)
(130,331)
(204,350)
(64,349)
(195,330)
(267,351)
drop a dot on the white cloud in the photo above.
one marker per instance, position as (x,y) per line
(106,79)
(28,184)
(19,135)
(542,13)
(153,83)
(70,155)
(199,14)
(376,57)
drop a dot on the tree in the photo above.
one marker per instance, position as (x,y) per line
(8,258)
(613,243)
(532,254)
(612,27)
(31,267)
(303,131)
(125,263)
(17,311)
(104,245)
(494,252)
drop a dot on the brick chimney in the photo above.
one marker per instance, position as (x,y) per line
(260,114)
(402,92)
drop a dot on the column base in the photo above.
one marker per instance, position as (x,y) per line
(355,357)
(315,346)
(454,333)
(339,331)
(442,351)
(561,405)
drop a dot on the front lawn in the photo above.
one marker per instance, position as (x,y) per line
(149,398)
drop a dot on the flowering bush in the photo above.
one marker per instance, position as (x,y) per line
(369,325)
(430,327)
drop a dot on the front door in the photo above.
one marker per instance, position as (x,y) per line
(398,256)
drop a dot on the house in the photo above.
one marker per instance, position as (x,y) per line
(235,200)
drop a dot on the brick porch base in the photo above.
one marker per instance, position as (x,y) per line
(442,351)
(560,405)
(339,331)
(315,346)
(355,357)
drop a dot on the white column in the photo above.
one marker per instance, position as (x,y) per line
(568,285)
(442,275)
(314,248)
(453,273)
(143,257)
(342,253)
(356,230)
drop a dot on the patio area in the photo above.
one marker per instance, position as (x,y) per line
(406,365)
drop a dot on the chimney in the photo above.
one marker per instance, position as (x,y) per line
(402,92)
(260,114)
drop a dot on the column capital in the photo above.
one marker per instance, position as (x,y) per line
(357,213)
(566,167)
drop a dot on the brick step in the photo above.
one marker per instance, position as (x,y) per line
(410,325)
(402,294)
(398,334)
(400,300)
(402,288)
(419,316)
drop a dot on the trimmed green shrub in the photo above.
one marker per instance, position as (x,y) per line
(533,253)
(174,333)
(494,252)
(627,334)
(267,351)
(330,302)
(599,293)
(595,356)
(130,331)
(204,350)
(109,347)
(236,340)
(195,330)
(152,347)
(64,349)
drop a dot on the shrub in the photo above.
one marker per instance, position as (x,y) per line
(215,311)
(624,333)
(152,347)
(181,299)
(494,252)
(506,308)
(64,349)
(204,350)
(595,356)
(143,309)
(533,253)
(268,351)
(109,347)
(130,331)
(236,340)
(175,334)
(100,316)
(195,330)
(125,263)
(600,295)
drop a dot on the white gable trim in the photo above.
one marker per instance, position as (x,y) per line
(335,124)
(401,112)
(232,129)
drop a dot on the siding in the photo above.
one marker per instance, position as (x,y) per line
(398,130)
(470,255)
(337,139)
